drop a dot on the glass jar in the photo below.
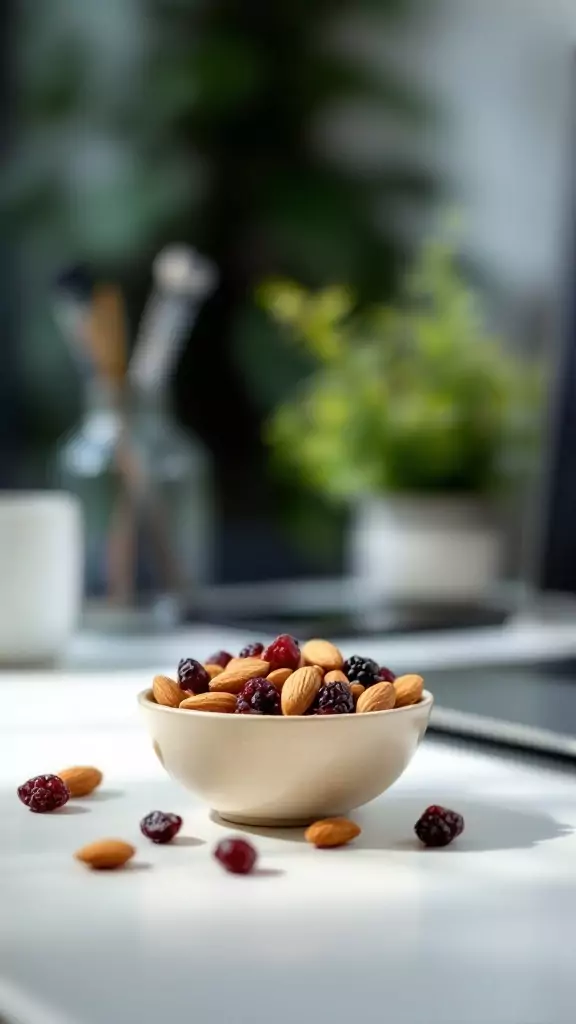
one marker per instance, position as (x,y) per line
(146,494)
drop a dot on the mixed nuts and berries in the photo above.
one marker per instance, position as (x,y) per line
(281,679)
(284,679)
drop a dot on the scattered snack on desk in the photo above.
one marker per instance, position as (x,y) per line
(44,793)
(105,854)
(331,832)
(81,780)
(161,826)
(439,826)
(236,855)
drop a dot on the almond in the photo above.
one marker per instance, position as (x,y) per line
(223,702)
(105,854)
(213,670)
(408,689)
(380,697)
(332,832)
(166,692)
(336,676)
(232,680)
(357,691)
(81,780)
(300,689)
(237,663)
(323,654)
(279,676)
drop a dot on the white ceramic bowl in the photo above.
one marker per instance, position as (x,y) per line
(257,770)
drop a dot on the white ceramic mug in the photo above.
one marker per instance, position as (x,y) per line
(41,545)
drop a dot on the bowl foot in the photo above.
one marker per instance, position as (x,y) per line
(271,822)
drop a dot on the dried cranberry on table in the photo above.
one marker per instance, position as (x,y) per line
(160,826)
(362,670)
(219,658)
(236,855)
(44,793)
(333,699)
(439,826)
(252,650)
(193,676)
(283,652)
(258,697)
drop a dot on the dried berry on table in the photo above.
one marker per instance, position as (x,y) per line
(361,670)
(161,826)
(258,697)
(236,855)
(44,793)
(193,676)
(283,652)
(439,826)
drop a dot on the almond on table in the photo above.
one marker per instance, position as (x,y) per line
(105,854)
(81,780)
(332,832)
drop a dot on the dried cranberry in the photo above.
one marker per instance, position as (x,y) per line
(193,676)
(361,670)
(236,855)
(160,826)
(44,793)
(386,675)
(283,652)
(252,650)
(439,826)
(334,699)
(258,697)
(219,658)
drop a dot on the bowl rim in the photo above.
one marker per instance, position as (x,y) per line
(144,700)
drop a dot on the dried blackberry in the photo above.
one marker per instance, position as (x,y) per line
(258,697)
(362,670)
(333,699)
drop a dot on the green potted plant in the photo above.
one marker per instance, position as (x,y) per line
(414,415)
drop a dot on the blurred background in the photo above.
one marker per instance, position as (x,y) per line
(376,191)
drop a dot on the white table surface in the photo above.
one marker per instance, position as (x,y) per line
(383,931)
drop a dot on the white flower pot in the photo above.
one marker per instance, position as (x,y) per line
(422,548)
